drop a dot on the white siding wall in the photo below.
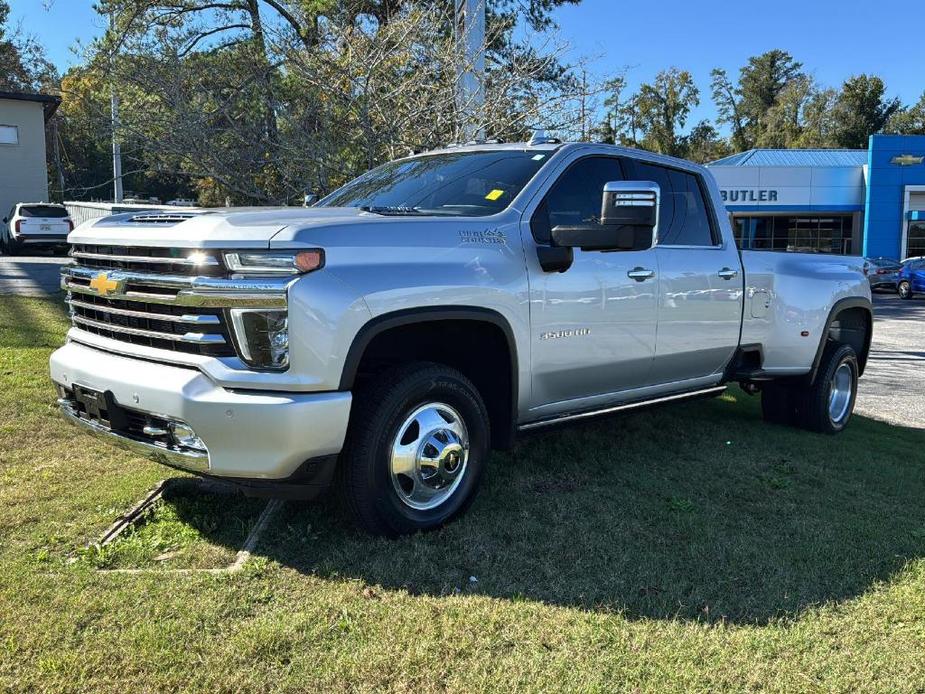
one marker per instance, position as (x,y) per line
(23,175)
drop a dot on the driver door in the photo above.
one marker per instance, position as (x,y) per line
(593,326)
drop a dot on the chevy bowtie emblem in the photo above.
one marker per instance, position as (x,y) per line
(103,284)
(907,160)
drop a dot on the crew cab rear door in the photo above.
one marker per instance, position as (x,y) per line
(700,278)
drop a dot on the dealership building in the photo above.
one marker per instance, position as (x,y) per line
(867,202)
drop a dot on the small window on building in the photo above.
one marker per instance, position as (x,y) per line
(915,241)
(9,135)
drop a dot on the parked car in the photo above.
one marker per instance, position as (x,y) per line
(883,273)
(432,309)
(911,277)
(182,202)
(37,225)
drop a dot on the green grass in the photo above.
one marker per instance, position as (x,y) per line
(185,529)
(687,548)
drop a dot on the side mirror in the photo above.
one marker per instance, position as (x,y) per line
(629,216)
(309,200)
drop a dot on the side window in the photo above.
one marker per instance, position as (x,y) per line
(683,217)
(691,226)
(643,171)
(576,197)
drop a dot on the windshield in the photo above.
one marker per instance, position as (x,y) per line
(42,211)
(462,184)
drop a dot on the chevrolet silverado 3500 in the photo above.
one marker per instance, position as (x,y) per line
(428,311)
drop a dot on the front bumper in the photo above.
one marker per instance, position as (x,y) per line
(249,435)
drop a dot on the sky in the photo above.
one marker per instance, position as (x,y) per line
(833,38)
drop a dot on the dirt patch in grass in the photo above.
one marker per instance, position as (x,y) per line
(187,528)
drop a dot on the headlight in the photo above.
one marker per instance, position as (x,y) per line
(262,336)
(275,262)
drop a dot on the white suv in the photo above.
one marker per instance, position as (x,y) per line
(35,224)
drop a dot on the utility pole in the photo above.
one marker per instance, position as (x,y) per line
(117,195)
(57,153)
(470,78)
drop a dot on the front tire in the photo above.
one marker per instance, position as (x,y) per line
(416,447)
(904,289)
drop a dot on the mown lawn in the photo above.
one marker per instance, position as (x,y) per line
(689,548)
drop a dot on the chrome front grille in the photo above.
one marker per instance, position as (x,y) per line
(161,297)
(140,259)
(190,330)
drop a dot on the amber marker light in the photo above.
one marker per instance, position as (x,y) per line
(307,261)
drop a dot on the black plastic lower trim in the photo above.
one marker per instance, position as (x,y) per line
(313,478)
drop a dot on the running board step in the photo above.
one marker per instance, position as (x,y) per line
(706,392)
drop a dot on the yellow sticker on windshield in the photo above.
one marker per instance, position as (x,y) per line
(494,195)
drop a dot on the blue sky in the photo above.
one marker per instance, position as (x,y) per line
(833,38)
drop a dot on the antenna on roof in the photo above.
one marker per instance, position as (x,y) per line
(540,137)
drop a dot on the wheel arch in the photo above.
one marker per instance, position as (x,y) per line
(851,321)
(389,326)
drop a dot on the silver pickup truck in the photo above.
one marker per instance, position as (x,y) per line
(389,337)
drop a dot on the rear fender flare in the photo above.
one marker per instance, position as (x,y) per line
(842,305)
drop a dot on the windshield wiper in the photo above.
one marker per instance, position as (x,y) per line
(395,210)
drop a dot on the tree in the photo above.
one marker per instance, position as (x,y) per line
(861,110)
(704,144)
(784,121)
(260,100)
(744,106)
(909,120)
(817,119)
(662,109)
(23,66)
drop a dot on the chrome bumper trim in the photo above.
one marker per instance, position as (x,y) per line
(196,462)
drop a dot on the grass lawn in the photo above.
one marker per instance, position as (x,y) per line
(688,548)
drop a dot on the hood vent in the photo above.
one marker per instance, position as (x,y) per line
(162,217)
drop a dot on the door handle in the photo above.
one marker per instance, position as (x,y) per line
(640,274)
(727,273)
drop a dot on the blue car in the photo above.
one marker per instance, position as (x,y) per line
(911,277)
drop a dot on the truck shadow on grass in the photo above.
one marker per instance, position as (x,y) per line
(697,511)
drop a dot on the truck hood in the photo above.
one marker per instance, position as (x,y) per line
(248,227)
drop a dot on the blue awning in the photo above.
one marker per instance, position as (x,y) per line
(917,215)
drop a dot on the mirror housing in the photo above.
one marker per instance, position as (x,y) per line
(629,218)
(634,203)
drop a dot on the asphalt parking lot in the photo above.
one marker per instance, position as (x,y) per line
(30,275)
(893,386)
(892,389)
